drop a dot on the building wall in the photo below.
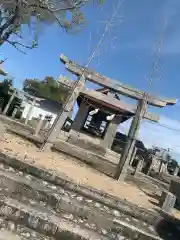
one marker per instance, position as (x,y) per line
(44,107)
(37,110)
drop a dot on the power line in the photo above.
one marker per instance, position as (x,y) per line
(164,126)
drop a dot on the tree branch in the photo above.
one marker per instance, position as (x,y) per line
(20,50)
(11,20)
(20,44)
(18,35)
(9,26)
(2,61)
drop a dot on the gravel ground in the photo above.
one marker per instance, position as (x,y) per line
(72,169)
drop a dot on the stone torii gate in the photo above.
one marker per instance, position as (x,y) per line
(143,99)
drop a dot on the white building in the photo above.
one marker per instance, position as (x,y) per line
(40,106)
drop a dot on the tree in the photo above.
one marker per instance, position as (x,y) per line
(5,87)
(172,164)
(6,90)
(14,14)
(48,89)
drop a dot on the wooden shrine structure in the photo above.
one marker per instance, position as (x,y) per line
(95,128)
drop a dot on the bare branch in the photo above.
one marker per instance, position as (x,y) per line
(20,50)
(9,26)
(14,14)
(18,35)
(16,44)
(2,61)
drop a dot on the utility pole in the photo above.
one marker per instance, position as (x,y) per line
(132,135)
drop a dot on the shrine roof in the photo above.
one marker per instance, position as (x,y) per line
(106,91)
(103,100)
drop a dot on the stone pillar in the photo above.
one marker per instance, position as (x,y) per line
(39,125)
(9,103)
(80,117)
(110,134)
(47,125)
(63,114)
(133,156)
(30,111)
(133,131)
(167,201)
(176,171)
(14,113)
(155,164)
(139,166)
(160,166)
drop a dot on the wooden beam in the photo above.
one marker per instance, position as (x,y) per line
(115,103)
(114,85)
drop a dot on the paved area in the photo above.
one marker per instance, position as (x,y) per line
(73,169)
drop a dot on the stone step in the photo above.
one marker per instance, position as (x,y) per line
(96,161)
(57,202)
(27,186)
(61,201)
(43,221)
(53,181)
(13,231)
(64,204)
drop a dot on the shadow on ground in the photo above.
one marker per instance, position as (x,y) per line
(168,230)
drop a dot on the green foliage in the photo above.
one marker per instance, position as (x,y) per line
(172,164)
(168,158)
(48,89)
(6,88)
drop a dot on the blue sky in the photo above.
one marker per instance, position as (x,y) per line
(127,55)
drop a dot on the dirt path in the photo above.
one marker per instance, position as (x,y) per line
(72,169)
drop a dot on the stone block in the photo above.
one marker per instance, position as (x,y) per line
(162,198)
(175,189)
(167,201)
